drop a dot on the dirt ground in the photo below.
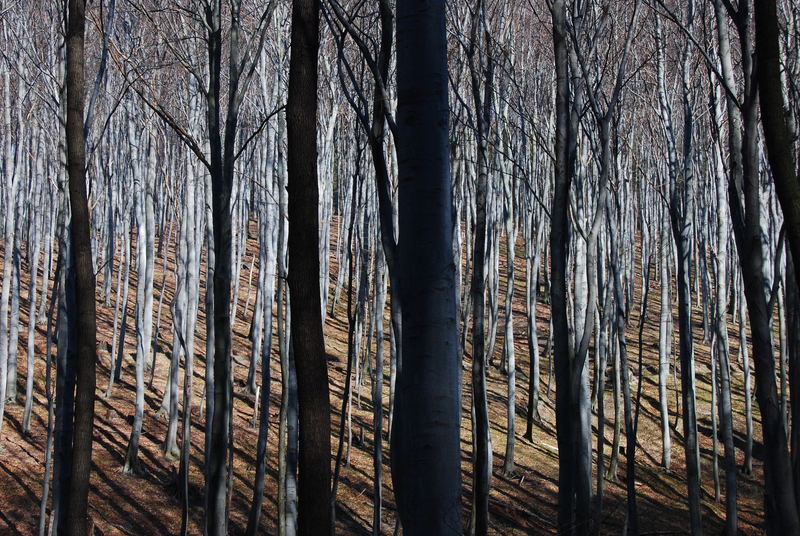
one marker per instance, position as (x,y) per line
(524,503)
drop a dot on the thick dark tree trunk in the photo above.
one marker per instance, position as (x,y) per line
(65,387)
(793,306)
(81,264)
(425,434)
(314,478)
(744,196)
(777,133)
(559,240)
(221,146)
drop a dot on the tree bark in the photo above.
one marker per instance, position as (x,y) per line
(559,247)
(777,133)
(84,276)
(307,339)
(425,434)
(482,439)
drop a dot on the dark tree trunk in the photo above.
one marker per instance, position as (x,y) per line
(744,196)
(65,388)
(559,240)
(314,478)
(81,264)
(777,133)
(482,439)
(780,507)
(793,306)
(425,434)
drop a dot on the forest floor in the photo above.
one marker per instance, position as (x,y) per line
(524,503)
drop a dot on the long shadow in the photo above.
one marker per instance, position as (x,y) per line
(115,450)
(15,424)
(28,491)
(353,523)
(9,522)
(521,505)
(739,441)
(114,504)
(120,493)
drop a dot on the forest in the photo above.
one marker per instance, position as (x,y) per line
(399,267)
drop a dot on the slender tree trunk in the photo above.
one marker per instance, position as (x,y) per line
(13,332)
(611,473)
(266,378)
(10,229)
(377,399)
(508,342)
(34,268)
(532,297)
(620,315)
(601,363)
(681,212)
(118,347)
(744,356)
(187,337)
(352,329)
(723,352)
(179,306)
(665,348)
(51,410)
(482,439)
(131,464)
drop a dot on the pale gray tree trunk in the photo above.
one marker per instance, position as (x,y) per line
(269,234)
(665,343)
(35,242)
(11,185)
(721,277)
(13,332)
(144,291)
(533,254)
(681,211)
(377,398)
(287,428)
(509,354)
